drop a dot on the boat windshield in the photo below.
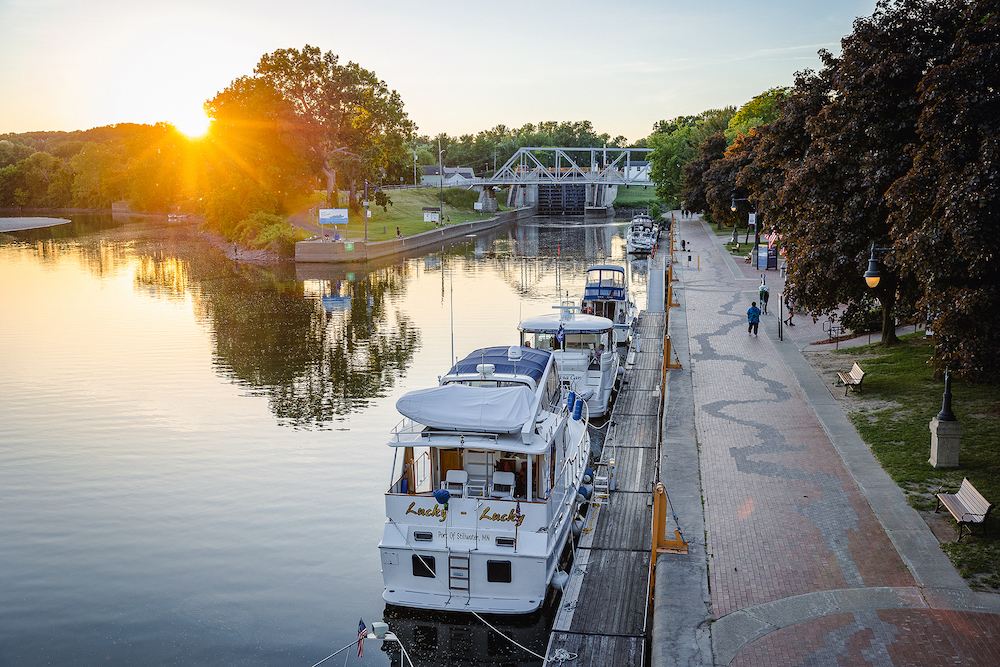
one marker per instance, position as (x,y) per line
(489,383)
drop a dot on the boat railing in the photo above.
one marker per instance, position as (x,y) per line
(419,435)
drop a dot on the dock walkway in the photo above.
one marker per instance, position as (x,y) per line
(603,617)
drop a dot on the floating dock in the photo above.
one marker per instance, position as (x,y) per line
(603,618)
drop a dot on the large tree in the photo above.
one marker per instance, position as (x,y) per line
(944,211)
(857,141)
(343,117)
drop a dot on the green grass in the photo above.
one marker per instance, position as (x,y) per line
(900,397)
(636,197)
(406,212)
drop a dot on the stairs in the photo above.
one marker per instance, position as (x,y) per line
(458,572)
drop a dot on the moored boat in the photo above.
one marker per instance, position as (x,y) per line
(584,347)
(641,235)
(488,467)
(606,294)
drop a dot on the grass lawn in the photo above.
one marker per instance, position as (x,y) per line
(406,212)
(898,401)
(636,197)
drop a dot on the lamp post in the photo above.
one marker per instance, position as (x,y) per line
(441,182)
(756,229)
(885,291)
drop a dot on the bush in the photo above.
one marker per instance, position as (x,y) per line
(460,198)
(266,231)
(863,315)
(654,212)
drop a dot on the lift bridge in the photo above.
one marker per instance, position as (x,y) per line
(560,184)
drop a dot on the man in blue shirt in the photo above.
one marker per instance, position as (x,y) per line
(753,317)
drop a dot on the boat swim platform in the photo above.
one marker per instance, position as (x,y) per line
(604,615)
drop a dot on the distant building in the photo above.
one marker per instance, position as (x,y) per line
(453,176)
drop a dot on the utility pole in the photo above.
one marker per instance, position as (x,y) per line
(441,182)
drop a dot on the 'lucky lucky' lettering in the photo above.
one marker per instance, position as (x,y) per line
(420,511)
(512,515)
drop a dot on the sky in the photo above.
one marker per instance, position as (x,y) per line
(460,67)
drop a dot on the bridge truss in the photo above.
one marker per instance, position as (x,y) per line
(556,166)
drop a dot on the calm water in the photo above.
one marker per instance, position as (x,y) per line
(192,452)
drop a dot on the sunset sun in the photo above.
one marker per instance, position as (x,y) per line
(193,125)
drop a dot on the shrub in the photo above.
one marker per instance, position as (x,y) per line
(460,198)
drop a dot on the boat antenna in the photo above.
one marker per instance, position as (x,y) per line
(452,282)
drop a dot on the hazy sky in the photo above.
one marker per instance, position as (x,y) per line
(460,67)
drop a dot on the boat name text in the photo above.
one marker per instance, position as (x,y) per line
(420,511)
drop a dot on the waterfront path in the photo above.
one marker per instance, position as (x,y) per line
(809,550)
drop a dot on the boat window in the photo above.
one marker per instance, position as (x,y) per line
(423,566)
(553,390)
(423,536)
(505,541)
(498,571)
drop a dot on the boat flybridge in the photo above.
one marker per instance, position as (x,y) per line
(487,469)
(641,235)
(606,294)
(582,345)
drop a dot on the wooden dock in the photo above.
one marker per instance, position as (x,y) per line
(604,613)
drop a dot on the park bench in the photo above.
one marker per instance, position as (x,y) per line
(853,378)
(968,506)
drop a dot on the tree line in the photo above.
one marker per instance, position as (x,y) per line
(888,151)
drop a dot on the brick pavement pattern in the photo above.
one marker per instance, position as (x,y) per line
(783,515)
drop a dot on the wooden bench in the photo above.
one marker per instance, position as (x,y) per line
(852,379)
(968,506)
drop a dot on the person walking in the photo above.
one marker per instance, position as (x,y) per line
(753,319)
(790,305)
(765,294)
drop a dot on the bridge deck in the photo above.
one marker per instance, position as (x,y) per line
(603,615)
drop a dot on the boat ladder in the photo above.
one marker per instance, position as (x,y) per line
(458,572)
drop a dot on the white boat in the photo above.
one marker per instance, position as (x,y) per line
(583,347)
(485,480)
(641,235)
(606,294)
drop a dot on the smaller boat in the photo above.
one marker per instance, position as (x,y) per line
(641,235)
(582,346)
(606,294)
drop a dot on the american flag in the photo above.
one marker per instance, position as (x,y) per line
(362,633)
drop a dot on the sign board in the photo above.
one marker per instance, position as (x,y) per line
(431,216)
(348,246)
(772,257)
(368,213)
(752,219)
(762,256)
(479,206)
(333,216)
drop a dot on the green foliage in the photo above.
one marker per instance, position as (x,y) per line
(461,198)
(654,212)
(758,111)
(675,144)
(266,231)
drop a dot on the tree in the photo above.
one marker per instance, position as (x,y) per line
(944,210)
(835,195)
(344,114)
(758,111)
(711,149)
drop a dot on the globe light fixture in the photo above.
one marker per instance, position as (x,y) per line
(874,273)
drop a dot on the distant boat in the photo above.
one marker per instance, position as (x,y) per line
(484,485)
(641,235)
(606,294)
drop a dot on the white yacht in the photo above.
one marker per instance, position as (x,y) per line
(484,484)
(641,235)
(606,294)
(584,348)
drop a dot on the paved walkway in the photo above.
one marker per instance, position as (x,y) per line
(813,555)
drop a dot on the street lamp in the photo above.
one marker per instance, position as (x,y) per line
(441,181)
(756,229)
(874,273)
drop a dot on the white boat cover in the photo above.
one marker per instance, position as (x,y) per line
(460,407)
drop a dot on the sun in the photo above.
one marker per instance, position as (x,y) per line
(193,125)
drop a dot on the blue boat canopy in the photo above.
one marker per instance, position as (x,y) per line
(532,362)
(605,281)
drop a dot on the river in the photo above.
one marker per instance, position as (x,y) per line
(192,451)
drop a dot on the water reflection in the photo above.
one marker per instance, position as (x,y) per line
(451,639)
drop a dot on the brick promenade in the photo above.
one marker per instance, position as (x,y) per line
(813,556)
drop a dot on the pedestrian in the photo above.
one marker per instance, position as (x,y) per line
(790,305)
(753,319)
(399,234)
(765,294)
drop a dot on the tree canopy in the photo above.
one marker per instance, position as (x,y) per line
(891,145)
